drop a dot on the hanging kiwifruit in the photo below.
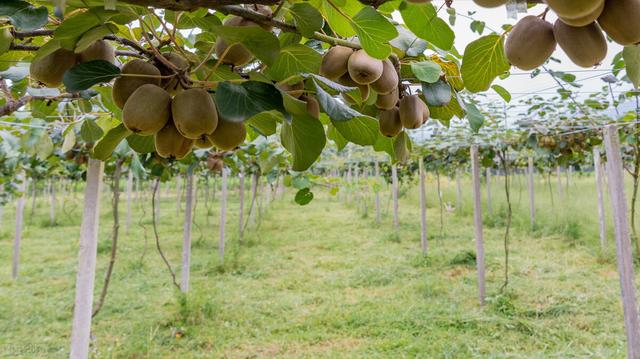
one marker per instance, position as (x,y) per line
(313,107)
(6,38)
(364,69)
(413,112)
(389,122)
(584,20)
(389,79)
(490,3)
(335,62)
(99,50)
(194,113)
(172,84)
(530,43)
(203,142)
(124,86)
(147,110)
(50,69)
(228,135)
(237,54)
(171,144)
(619,20)
(387,101)
(586,46)
(295,89)
(346,80)
(573,9)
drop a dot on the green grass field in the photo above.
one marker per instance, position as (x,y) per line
(326,281)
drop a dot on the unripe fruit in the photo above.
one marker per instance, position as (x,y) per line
(147,110)
(124,86)
(6,38)
(586,46)
(389,122)
(388,101)
(530,43)
(194,113)
(228,135)
(99,50)
(50,69)
(364,69)
(389,79)
(313,107)
(335,62)
(171,144)
(619,20)
(413,112)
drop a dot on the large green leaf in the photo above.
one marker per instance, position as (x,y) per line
(261,43)
(239,102)
(483,61)
(90,131)
(475,117)
(83,76)
(305,139)
(308,19)
(437,94)
(336,18)
(265,122)
(97,33)
(374,32)
(141,144)
(423,20)
(23,15)
(336,110)
(335,136)
(631,55)
(294,59)
(426,71)
(105,147)
(362,130)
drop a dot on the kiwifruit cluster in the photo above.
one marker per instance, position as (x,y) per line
(238,54)
(50,69)
(178,118)
(578,31)
(215,162)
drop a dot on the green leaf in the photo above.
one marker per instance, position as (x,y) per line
(423,20)
(265,122)
(107,145)
(336,110)
(239,102)
(23,15)
(483,61)
(69,140)
(294,59)
(90,131)
(475,117)
(44,146)
(506,96)
(91,36)
(447,112)
(83,76)
(305,139)
(362,130)
(141,144)
(308,19)
(335,136)
(631,55)
(261,43)
(337,21)
(426,71)
(402,147)
(374,32)
(304,196)
(437,94)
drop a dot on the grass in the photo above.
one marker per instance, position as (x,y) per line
(326,281)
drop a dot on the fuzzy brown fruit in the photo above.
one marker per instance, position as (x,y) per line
(194,113)
(50,69)
(313,107)
(586,46)
(490,3)
(99,50)
(387,101)
(171,144)
(347,81)
(295,89)
(147,110)
(364,69)
(413,112)
(228,135)
(172,85)
(124,86)
(530,43)
(619,20)
(335,62)
(584,20)
(389,122)
(573,9)
(388,80)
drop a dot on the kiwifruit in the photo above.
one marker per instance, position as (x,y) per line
(228,135)
(573,9)
(387,101)
(335,62)
(389,122)
(490,3)
(413,112)
(215,163)
(619,20)
(346,80)
(194,113)
(170,143)
(295,89)
(172,84)
(237,54)
(364,69)
(99,50)
(147,110)
(203,142)
(586,46)
(313,107)
(50,69)
(6,38)
(389,79)
(530,43)
(584,20)
(124,86)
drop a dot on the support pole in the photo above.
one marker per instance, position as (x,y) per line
(394,189)
(129,189)
(597,168)
(532,204)
(223,212)
(477,220)
(241,210)
(423,209)
(186,233)
(489,207)
(17,239)
(377,169)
